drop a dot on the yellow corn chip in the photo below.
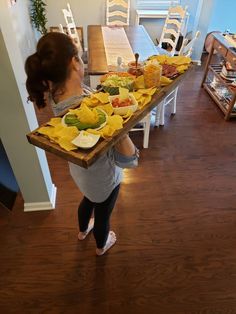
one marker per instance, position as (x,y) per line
(66,144)
(160,58)
(92,131)
(46,130)
(165,81)
(182,68)
(70,132)
(178,60)
(115,122)
(93,100)
(148,98)
(107,131)
(87,101)
(136,95)
(147,91)
(102,97)
(107,108)
(87,115)
(54,121)
(139,82)
(127,116)
(145,100)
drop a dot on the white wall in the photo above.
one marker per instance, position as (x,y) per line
(17,116)
(226,9)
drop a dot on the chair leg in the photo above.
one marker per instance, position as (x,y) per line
(157,115)
(173,106)
(162,112)
(146,130)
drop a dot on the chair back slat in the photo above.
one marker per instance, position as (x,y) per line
(117,12)
(173,28)
(121,3)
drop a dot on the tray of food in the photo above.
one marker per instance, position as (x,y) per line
(84,133)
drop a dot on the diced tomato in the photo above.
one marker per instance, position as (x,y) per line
(116,102)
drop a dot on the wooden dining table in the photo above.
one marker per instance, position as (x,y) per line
(139,40)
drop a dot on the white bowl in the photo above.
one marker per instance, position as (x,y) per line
(123,110)
(86,140)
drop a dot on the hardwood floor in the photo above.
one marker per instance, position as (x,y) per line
(175,221)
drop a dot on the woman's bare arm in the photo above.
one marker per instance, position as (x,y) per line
(125,146)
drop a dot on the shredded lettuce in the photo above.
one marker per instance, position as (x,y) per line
(118,81)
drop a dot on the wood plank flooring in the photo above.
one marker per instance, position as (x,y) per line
(175,221)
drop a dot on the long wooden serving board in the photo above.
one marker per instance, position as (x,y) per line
(86,158)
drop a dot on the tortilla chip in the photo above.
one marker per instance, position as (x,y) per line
(145,100)
(160,58)
(66,144)
(58,128)
(147,91)
(107,131)
(107,108)
(182,68)
(87,115)
(136,95)
(178,60)
(101,97)
(46,130)
(87,101)
(127,116)
(92,131)
(165,81)
(115,122)
(139,82)
(54,121)
(70,132)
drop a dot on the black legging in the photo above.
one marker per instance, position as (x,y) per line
(102,213)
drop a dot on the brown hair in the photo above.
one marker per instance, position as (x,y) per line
(50,62)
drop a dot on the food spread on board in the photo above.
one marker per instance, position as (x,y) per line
(121,95)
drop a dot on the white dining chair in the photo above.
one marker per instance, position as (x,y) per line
(117,12)
(71,28)
(144,126)
(175,25)
(186,50)
(188,45)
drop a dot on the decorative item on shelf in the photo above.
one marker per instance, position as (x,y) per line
(38,15)
(228,72)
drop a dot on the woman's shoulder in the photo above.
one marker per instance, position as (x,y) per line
(65,104)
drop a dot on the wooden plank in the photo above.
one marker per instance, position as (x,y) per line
(85,158)
(97,62)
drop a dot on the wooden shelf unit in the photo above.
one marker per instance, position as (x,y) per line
(223,48)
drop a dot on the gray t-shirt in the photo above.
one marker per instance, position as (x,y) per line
(99,180)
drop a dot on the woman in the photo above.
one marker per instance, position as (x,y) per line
(54,75)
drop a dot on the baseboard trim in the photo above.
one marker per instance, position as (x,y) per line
(38,206)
